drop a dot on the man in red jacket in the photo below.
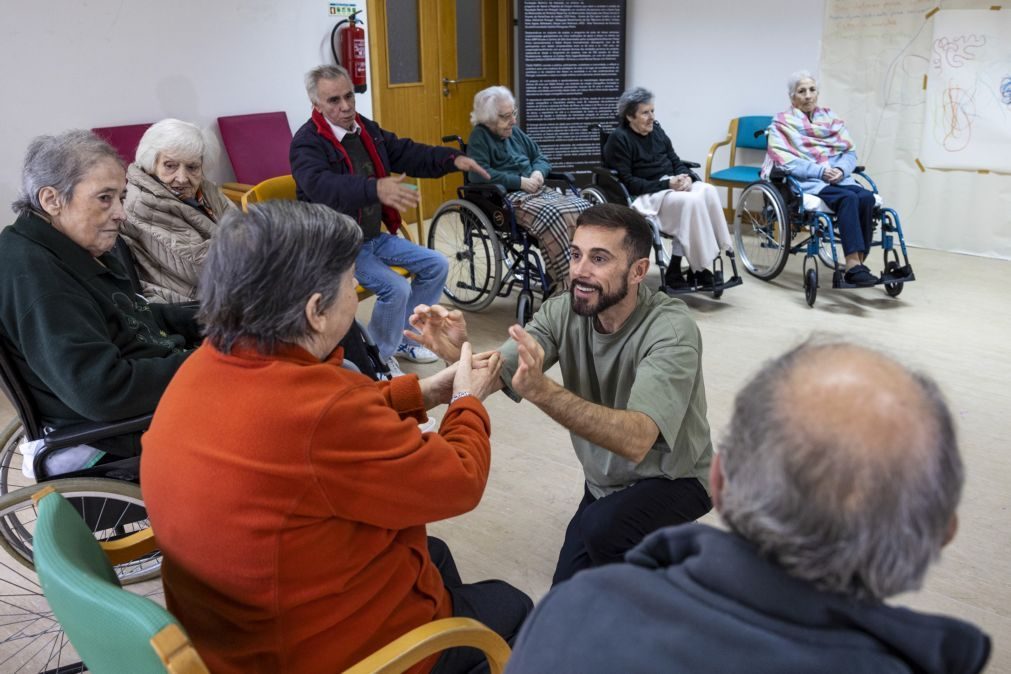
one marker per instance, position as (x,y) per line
(290,494)
(344,160)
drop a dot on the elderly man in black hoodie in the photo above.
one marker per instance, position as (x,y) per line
(824,525)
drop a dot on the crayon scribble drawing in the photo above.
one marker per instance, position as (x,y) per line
(958,109)
(967,106)
(953,52)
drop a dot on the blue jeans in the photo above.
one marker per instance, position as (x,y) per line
(396,296)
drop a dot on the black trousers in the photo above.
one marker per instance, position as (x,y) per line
(603,530)
(854,211)
(495,603)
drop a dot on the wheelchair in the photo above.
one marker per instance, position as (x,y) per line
(606,188)
(770,214)
(489,254)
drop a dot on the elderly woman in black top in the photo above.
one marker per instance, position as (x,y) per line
(664,190)
(88,347)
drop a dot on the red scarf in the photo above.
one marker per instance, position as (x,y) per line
(390,215)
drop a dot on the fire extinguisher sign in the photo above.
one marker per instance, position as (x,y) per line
(342,8)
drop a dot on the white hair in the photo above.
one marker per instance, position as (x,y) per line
(486,104)
(795,79)
(173,136)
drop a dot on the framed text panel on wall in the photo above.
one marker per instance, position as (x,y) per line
(571,73)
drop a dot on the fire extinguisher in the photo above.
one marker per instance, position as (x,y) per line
(352,49)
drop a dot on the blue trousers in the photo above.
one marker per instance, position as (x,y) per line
(603,530)
(854,211)
(396,296)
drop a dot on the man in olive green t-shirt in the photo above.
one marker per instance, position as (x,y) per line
(632,396)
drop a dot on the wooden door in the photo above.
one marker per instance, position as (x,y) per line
(429,58)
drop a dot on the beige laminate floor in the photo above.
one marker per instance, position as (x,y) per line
(953,322)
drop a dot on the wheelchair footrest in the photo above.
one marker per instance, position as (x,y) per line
(699,288)
(903,274)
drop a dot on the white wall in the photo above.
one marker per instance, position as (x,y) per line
(713,60)
(109,62)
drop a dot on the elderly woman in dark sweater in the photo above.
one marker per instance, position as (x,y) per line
(664,190)
(87,346)
(514,160)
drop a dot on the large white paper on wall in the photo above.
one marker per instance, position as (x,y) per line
(875,55)
(967,122)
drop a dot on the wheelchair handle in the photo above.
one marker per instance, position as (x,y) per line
(458,139)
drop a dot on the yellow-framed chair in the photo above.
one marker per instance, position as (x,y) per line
(283,187)
(115,630)
(740,134)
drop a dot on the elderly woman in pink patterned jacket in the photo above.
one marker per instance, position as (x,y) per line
(813,145)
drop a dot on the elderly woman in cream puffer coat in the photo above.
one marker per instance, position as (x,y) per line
(172,210)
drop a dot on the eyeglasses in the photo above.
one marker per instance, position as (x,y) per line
(506,116)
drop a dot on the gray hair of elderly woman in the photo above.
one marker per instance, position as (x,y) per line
(794,81)
(324,72)
(264,265)
(61,162)
(486,104)
(630,101)
(848,520)
(173,136)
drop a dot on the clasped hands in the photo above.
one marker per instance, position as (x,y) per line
(681,183)
(533,183)
(832,175)
(445,332)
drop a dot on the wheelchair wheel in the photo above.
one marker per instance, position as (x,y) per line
(762,231)
(524,307)
(463,233)
(31,639)
(593,195)
(892,266)
(811,285)
(11,477)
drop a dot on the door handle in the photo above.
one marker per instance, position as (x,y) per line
(445,85)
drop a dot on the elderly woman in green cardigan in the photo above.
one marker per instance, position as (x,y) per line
(514,160)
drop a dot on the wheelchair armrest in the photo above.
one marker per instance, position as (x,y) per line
(712,151)
(485,190)
(778,173)
(567,178)
(89,431)
(691,164)
(859,169)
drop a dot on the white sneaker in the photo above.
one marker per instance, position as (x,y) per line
(394,367)
(416,353)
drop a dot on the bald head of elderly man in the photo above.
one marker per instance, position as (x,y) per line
(838,478)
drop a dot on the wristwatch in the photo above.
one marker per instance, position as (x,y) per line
(458,395)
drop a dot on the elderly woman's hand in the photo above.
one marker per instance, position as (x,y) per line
(538,178)
(832,175)
(681,183)
(477,375)
(529,185)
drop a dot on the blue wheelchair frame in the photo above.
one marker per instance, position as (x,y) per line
(492,233)
(785,204)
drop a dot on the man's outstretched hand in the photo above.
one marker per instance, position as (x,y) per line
(466,164)
(439,329)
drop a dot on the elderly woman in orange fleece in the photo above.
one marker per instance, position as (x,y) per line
(290,494)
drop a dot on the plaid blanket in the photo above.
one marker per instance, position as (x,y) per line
(793,136)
